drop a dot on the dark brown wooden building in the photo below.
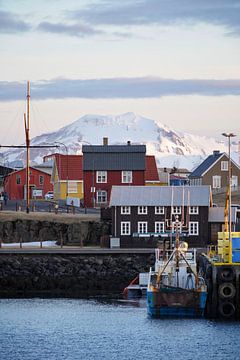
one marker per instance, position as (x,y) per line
(142,215)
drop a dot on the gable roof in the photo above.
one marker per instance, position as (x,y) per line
(151,173)
(113,157)
(24,170)
(160,195)
(206,164)
(69,167)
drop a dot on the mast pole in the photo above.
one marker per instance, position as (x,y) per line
(27,129)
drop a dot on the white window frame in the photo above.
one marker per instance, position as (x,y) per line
(159,227)
(41,177)
(101,177)
(193,210)
(216,181)
(224,165)
(72,187)
(125,210)
(127,176)
(125,228)
(194,228)
(234,180)
(18,179)
(101,194)
(142,210)
(176,210)
(174,227)
(142,227)
(159,210)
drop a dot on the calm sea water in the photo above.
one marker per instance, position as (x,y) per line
(44,329)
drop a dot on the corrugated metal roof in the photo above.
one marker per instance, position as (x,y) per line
(209,161)
(114,161)
(216,214)
(69,167)
(160,195)
(151,173)
(113,149)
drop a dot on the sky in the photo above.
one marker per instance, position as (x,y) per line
(175,61)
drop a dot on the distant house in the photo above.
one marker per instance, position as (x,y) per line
(214,171)
(143,214)
(67,176)
(15,184)
(107,165)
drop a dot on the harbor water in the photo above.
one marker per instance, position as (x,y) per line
(55,329)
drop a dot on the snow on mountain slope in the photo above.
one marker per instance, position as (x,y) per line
(171,148)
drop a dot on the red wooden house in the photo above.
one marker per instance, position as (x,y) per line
(15,184)
(108,165)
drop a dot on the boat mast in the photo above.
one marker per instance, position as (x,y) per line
(27,130)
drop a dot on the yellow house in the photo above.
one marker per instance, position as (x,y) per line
(67,177)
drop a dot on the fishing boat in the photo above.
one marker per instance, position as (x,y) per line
(174,286)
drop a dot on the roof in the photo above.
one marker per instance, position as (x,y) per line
(160,195)
(14,172)
(206,164)
(216,214)
(69,167)
(151,173)
(114,157)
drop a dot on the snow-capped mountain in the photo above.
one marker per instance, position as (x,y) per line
(171,148)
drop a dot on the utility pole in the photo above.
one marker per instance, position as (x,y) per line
(27,133)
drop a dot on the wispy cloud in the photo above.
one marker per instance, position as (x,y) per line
(77,30)
(162,12)
(142,87)
(11,24)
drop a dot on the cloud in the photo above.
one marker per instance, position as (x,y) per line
(137,88)
(71,30)
(162,12)
(10,23)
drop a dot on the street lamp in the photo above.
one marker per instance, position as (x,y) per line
(229,136)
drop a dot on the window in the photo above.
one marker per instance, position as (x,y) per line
(142,227)
(193,228)
(101,176)
(216,182)
(18,179)
(126,177)
(176,210)
(193,210)
(224,165)
(174,227)
(41,179)
(142,210)
(72,187)
(159,209)
(125,210)
(159,227)
(101,196)
(125,228)
(234,181)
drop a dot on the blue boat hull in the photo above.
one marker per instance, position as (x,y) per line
(177,304)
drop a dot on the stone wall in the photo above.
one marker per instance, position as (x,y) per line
(74,233)
(67,275)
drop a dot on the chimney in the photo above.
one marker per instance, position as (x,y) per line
(105,141)
(216,152)
(129,142)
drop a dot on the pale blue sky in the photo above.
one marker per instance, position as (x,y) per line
(177,61)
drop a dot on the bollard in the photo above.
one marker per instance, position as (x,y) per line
(56,208)
(67,209)
(16,206)
(73,209)
(1,206)
(20,243)
(85,210)
(49,208)
(33,207)
(61,240)
(0,243)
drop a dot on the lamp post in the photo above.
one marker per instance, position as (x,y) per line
(66,150)
(229,136)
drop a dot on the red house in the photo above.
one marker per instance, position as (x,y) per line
(108,165)
(15,184)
